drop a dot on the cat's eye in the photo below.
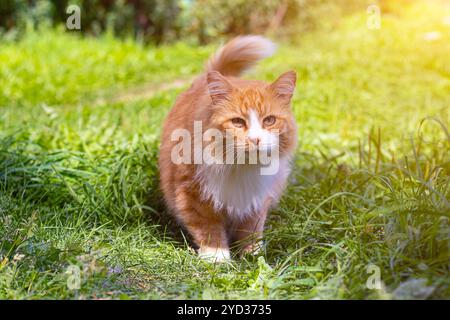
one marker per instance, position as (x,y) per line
(269,120)
(238,122)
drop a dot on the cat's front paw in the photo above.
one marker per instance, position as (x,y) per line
(253,248)
(214,254)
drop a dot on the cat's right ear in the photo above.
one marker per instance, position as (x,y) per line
(284,86)
(218,86)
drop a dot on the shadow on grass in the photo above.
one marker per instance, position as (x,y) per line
(166,224)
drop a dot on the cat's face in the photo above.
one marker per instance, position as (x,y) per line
(258,116)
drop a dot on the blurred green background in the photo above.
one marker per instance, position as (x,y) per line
(199,21)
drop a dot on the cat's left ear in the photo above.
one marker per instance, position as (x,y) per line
(218,86)
(283,88)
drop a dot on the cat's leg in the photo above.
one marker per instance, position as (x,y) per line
(206,227)
(249,231)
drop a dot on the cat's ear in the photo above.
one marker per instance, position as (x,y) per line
(283,88)
(218,86)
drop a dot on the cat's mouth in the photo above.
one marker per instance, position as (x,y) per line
(260,154)
(246,154)
(268,147)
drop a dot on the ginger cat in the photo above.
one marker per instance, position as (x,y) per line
(220,203)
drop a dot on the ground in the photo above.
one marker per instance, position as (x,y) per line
(80,210)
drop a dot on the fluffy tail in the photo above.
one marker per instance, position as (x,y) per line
(240,54)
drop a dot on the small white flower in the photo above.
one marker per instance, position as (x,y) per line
(17,257)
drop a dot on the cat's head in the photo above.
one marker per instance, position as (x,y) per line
(257,114)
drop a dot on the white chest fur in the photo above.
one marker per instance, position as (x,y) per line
(240,189)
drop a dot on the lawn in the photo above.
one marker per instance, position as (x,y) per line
(79,133)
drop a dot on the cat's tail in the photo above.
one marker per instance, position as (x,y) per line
(240,54)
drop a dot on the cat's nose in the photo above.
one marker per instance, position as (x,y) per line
(255,140)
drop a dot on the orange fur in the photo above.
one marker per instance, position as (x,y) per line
(215,98)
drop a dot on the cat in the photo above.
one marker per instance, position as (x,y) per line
(221,203)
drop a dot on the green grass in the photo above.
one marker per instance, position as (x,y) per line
(79,179)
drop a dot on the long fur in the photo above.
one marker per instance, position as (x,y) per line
(240,54)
